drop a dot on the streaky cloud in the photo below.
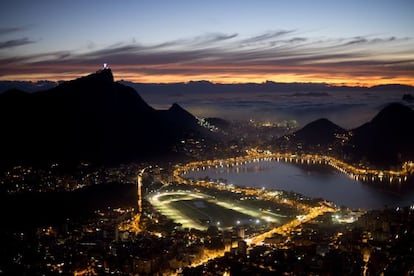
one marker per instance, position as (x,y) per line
(360,40)
(9,30)
(214,37)
(15,43)
(356,40)
(266,36)
(36,58)
(297,39)
(202,41)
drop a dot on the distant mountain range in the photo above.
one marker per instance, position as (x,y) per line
(386,141)
(91,118)
(27,86)
(209,87)
(300,89)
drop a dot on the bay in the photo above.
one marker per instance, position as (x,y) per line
(319,181)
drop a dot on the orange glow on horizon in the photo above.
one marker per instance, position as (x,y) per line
(288,78)
(221,78)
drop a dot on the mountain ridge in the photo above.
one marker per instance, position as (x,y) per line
(211,86)
(91,118)
(321,131)
(387,141)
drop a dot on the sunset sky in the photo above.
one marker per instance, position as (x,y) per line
(352,42)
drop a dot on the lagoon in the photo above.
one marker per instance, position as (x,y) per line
(319,181)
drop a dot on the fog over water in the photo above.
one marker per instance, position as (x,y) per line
(314,181)
(349,107)
(346,107)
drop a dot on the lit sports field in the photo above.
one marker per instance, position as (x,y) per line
(196,210)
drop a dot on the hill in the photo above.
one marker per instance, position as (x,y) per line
(316,137)
(91,118)
(387,140)
(319,132)
(178,117)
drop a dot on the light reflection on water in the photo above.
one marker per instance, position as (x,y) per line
(315,181)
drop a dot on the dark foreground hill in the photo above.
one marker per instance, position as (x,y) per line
(386,141)
(26,210)
(320,132)
(91,118)
(316,137)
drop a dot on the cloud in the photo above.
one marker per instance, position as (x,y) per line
(226,55)
(15,42)
(297,39)
(9,30)
(360,40)
(213,38)
(356,40)
(266,36)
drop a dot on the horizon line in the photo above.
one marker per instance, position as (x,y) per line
(169,81)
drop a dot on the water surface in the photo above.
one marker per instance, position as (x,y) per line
(318,181)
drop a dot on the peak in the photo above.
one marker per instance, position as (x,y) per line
(393,111)
(323,122)
(105,74)
(95,81)
(176,107)
(178,110)
(319,132)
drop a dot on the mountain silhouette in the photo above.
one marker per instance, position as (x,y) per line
(319,132)
(91,118)
(178,117)
(316,137)
(387,140)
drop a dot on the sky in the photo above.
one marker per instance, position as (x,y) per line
(349,42)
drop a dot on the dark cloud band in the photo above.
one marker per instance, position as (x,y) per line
(277,52)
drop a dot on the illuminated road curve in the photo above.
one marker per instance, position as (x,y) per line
(255,155)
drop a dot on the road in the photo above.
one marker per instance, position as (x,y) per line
(132,225)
